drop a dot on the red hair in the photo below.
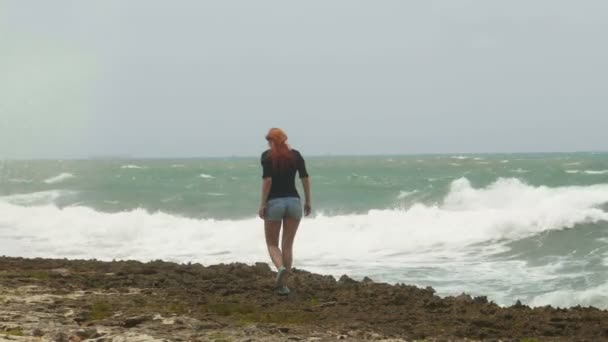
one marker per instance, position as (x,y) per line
(280,153)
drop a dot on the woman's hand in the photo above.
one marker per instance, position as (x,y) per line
(307,209)
(262,211)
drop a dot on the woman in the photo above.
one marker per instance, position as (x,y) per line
(280,203)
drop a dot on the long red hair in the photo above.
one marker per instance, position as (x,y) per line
(280,153)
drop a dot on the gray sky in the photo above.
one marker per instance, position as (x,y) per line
(208,78)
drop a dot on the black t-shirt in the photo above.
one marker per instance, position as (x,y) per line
(283,182)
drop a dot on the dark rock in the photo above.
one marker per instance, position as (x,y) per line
(134,321)
(519,305)
(481,300)
(483,323)
(346,280)
(60,336)
(435,303)
(464,298)
(82,317)
(329,278)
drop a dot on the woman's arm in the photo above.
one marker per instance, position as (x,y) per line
(307,203)
(266,184)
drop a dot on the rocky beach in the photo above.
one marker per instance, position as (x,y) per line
(78,300)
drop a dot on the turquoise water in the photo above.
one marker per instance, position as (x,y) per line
(229,188)
(511,226)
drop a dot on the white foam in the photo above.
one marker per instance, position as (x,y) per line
(132,166)
(59,178)
(178,165)
(460,157)
(596,296)
(596,172)
(504,161)
(404,194)
(506,210)
(36,198)
(573,164)
(588,172)
(206,176)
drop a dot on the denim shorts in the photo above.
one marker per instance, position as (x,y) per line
(280,208)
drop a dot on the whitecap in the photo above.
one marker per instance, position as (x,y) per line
(59,178)
(131,166)
(596,172)
(404,194)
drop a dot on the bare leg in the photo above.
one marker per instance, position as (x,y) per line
(290,227)
(272,229)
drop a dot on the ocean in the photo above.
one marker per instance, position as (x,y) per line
(529,227)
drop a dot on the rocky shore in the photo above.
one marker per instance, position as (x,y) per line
(77,300)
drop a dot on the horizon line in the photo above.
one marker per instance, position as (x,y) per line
(123,157)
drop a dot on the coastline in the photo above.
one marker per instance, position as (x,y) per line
(77,300)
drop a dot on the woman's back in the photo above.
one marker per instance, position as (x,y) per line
(283,178)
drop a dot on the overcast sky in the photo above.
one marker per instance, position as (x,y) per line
(208,78)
